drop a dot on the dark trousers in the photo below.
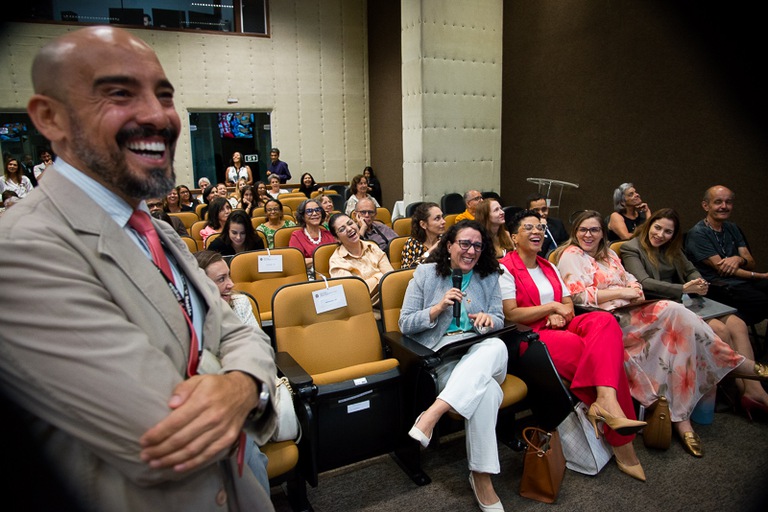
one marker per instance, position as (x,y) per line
(750,297)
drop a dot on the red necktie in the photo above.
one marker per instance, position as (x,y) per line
(142,224)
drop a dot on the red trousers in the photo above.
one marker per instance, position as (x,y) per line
(589,352)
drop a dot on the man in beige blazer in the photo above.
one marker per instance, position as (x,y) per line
(95,345)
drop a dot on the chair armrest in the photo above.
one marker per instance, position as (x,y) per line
(510,334)
(300,380)
(408,351)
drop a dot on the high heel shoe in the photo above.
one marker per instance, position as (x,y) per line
(635,471)
(692,443)
(418,435)
(749,405)
(493,507)
(622,426)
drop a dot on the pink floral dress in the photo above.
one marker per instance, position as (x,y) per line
(668,350)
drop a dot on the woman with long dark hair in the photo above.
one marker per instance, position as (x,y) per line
(218,212)
(237,236)
(655,257)
(470,385)
(587,349)
(427,226)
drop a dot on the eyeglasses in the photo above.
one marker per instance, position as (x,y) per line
(476,198)
(154,205)
(593,231)
(312,211)
(272,210)
(366,212)
(531,227)
(466,244)
(343,229)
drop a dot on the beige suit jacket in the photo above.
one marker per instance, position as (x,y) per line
(94,343)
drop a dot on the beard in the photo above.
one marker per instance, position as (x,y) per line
(113,169)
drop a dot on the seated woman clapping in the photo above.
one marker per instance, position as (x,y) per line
(669,350)
(586,349)
(356,257)
(655,257)
(471,385)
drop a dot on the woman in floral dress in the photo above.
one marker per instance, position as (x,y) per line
(669,350)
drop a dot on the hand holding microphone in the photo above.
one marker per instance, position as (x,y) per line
(456,278)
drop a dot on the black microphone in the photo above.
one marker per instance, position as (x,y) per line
(456,277)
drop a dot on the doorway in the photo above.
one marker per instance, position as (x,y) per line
(215,136)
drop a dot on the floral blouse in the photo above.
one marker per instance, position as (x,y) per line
(585,276)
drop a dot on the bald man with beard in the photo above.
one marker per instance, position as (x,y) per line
(137,382)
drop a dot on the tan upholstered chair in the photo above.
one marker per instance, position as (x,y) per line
(244,269)
(395,251)
(402,226)
(347,389)
(187,218)
(321,260)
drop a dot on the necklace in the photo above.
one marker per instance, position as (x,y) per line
(319,237)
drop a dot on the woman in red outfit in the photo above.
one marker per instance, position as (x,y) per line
(586,349)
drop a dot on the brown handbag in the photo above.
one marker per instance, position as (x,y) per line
(543,465)
(658,433)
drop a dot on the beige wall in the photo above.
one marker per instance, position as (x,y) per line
(311,74)
(451,90)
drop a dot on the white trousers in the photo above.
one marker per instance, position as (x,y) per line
(472,387)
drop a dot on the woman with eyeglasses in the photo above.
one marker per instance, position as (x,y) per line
(655,257)
(587,349)
(275,220)
(469,385)
(186,200)
(310,216)
(670,351)
(355,256)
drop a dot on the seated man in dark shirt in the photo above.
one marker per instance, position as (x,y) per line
(370,228)
(555,233)
(719,251)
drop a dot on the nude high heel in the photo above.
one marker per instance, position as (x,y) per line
(635,471)
(623,426)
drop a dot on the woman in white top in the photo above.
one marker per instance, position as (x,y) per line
(237,170)
(274,189)
(358,189)
(14,180)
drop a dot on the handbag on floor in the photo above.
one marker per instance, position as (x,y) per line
(582,451)
(287,423)
(658,432)
(543,465)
